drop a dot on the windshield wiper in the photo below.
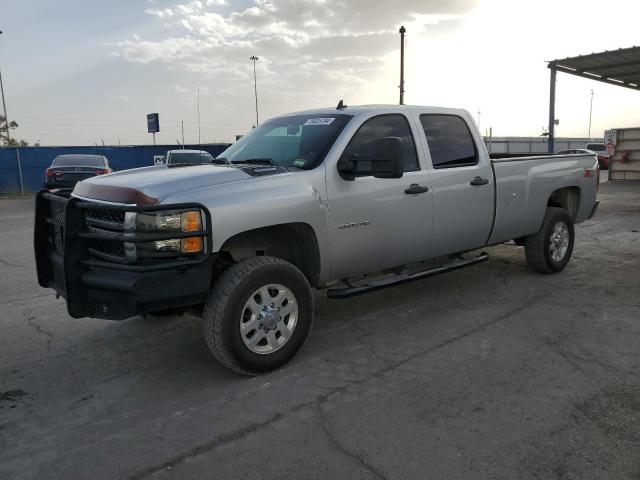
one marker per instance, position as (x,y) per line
(220,161)
(259,161)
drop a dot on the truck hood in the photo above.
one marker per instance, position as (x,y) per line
(149,185)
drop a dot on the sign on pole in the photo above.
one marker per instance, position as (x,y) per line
(153,123)
(610,140)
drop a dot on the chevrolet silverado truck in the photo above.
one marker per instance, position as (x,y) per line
(350,200)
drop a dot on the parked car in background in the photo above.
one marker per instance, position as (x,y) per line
(67,170)
(601,151)
(187,157)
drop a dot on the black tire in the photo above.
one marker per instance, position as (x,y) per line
(224,308)
(537,247)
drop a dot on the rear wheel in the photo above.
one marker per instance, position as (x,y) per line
(549,250)
(258,315)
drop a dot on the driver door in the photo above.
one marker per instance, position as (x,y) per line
(377,223)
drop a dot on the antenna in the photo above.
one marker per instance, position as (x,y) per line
(341,105)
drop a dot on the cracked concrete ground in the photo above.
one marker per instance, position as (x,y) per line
(490,372)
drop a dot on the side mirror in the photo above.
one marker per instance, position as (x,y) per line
(387,158)
(347,166)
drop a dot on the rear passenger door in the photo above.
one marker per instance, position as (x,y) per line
(462,182)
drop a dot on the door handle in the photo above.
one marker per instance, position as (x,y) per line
(479,181)
(414,189)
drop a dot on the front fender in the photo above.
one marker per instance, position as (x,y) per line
(295,197)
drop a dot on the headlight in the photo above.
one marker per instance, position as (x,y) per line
(167,222)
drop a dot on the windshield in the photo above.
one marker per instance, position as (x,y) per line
(596,147)
(78,161)
(189,157)
(299,141)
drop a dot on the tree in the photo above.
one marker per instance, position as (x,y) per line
(5,139)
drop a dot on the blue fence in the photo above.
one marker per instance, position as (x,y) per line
(35,160)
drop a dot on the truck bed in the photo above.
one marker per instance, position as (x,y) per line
(523,186)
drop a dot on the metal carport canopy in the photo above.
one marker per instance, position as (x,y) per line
(617,67)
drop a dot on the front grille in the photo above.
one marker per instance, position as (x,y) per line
(56,230)
(107,222)
(112,216)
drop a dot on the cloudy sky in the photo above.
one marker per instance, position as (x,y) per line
(79,71)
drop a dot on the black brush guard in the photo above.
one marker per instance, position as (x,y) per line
(97,288)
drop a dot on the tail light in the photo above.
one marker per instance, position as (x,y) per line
(49,172)
(103,172)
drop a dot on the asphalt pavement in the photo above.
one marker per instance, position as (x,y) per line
(492,372)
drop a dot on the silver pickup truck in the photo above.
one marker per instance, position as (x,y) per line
(351,200)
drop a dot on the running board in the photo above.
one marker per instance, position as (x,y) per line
(455,264)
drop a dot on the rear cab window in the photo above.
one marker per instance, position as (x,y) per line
(596,147)
(449,140)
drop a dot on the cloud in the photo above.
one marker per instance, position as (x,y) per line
(120,98)
(314,45)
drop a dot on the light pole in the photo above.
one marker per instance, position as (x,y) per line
(590,112)
(198,103)
(255,85)
(4,107)
(402,31)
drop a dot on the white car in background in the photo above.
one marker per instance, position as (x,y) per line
(601,151)
(187,157)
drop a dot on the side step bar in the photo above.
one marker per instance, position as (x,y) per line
(450,266)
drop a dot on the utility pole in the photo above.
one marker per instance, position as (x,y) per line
(255,85)
(198,115)
(479,112)
(182,124)
(590,112)
(402,32)
(6,119)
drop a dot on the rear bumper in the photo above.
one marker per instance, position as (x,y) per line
(50,183)
(101,289)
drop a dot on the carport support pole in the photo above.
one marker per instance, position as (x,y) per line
(6,119)
(552,109)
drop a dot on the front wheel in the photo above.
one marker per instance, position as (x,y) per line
(549,250)
(258,315)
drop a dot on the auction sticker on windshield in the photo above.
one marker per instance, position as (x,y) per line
(319,121)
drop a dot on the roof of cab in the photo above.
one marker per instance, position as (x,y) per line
(368,109)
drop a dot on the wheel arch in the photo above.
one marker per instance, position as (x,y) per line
(567,198)
(296,243)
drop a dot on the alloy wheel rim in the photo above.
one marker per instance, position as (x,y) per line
(268,318)
(559,241)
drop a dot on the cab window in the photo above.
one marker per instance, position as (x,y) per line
(450,141)
(363,142)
